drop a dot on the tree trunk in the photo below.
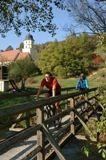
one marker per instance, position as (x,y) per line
(23,84)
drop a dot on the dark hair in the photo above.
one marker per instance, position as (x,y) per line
(50,74)
(83,75)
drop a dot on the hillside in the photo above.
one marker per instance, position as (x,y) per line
(98,78)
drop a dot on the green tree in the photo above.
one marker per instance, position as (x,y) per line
(78,50)
(22,69)
(47,59)
(70,57)
(27,14)
(9,48)
(21,46)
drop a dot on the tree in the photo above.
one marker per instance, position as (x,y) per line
(35,52)
(71,56)
(22,69)
(21,46)
(47,58)
(27,14)
(100,0)
(9,48)
(92,14)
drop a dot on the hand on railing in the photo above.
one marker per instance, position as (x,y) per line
(36,98)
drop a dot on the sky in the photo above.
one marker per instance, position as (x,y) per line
(61,18)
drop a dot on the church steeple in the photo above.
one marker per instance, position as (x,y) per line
(28,43)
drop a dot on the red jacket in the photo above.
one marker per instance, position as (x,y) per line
(53,83)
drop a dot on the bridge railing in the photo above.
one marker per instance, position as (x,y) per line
(83,107)
(29,93)
(27,117)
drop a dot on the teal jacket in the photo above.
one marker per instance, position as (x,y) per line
(82,84)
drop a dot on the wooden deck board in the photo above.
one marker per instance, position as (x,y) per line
(20,150)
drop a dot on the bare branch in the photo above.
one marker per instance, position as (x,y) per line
(89,13)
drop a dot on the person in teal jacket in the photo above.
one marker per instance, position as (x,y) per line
(82,83)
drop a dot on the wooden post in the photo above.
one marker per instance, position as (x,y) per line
(40,135)
(86,106)
(53,143)
(94,100)
(27,114)
(67,91)
(28,119)
(72,117)
(66,106)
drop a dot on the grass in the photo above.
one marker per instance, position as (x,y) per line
(95,80)
(35,82)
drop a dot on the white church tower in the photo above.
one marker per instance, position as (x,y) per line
(28,44)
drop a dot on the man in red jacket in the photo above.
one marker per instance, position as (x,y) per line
(54,88)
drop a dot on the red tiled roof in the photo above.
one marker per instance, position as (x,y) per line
(12,55)
(22,55)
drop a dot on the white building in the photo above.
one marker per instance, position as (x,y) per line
(28,43)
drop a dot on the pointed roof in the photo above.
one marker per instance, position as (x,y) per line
(29,37)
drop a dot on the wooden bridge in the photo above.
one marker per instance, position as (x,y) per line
(40,138)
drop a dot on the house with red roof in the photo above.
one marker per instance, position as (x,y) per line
(6,57)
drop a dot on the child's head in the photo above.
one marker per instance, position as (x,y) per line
(81,76)
(48,75)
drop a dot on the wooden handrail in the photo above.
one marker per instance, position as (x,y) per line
(35,104)
(28,93)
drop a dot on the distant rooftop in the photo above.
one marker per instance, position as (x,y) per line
(12,56)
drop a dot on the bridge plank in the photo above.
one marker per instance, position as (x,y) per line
(5,145)
(20,150)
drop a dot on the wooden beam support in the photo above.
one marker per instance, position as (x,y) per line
(53,143)
(72,116)
(40,134)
